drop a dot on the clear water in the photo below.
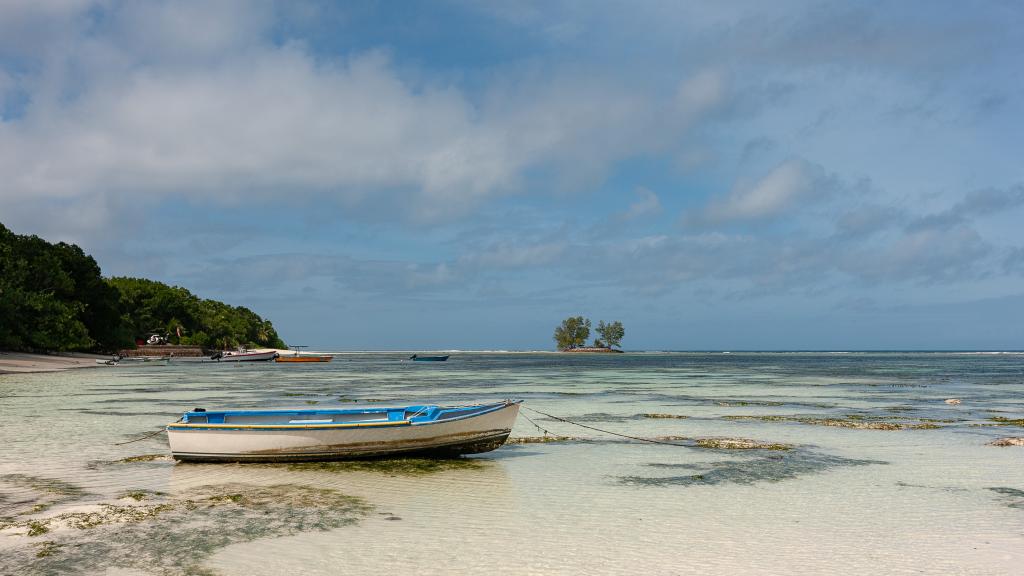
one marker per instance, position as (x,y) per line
(929,497)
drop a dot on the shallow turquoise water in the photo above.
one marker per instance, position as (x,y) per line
(930,496)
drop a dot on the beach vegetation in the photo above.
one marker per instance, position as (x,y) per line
(53,298)
(180,317)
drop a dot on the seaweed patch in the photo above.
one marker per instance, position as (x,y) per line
(740,444)
(1014,496)
(45,492)
(1009,441)
(772,467)
(856,421)
(175,535)
(1004,421)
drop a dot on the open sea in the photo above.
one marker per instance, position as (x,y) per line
(849,463)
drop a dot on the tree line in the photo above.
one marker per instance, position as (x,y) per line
(54,298)
(574,331)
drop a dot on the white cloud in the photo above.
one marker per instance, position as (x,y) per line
(648,204)
(786,185)
(700,93)
(512,255)
(191,100)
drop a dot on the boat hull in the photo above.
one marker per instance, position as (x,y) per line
(429,358)
(248,357)
(303,358)
(470,435)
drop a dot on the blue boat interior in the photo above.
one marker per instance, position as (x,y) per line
(413,414)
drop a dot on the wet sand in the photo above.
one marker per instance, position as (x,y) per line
(20,362)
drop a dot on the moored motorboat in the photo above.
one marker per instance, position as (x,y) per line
(298,435)
(298,357)
(418,358)
(135,361)
(246,356)
(307,358)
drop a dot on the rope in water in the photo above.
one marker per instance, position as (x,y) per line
(535,425)
(144,437)
(651,440)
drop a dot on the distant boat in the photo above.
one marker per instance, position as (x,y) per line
(418,358)
(308,358)
(246,356)
(136,361)
(302,435)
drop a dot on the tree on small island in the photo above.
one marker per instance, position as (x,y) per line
(611,334)
(572,333)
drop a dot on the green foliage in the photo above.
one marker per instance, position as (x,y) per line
(53,298)
(572,333)
(611,334)
(149,307)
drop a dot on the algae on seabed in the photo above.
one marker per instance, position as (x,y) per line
(768,467)
(175,535)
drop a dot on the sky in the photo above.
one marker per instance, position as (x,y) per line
(463,175)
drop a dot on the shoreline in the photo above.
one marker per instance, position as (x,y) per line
(26,363)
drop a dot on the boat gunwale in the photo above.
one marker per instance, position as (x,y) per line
(186,426)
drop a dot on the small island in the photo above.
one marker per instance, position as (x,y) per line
(571,336)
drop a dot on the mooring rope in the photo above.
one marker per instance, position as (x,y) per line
(147,435)
(651,440)
(535,425)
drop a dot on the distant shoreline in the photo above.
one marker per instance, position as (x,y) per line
(26,363)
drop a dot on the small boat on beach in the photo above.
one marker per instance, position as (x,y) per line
(418,358)
(245,356)
(297,357)
(306,435)
(135,361)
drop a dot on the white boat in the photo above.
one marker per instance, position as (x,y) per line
(135,361)
(297,435)
(246,356)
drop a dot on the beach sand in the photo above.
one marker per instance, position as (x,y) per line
(19,362)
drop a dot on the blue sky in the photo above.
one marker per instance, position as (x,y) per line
(435,175)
